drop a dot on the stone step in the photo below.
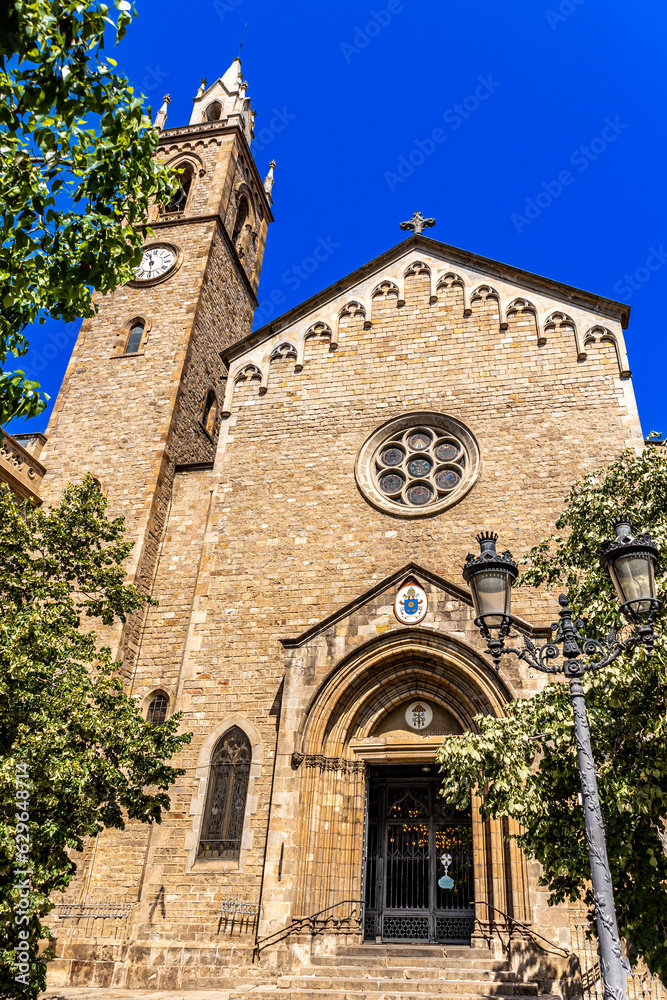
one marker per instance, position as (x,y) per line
(439,987)
(296,993)
(408,961)
(416,971)
(420,950)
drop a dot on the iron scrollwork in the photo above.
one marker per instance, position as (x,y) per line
(574,645)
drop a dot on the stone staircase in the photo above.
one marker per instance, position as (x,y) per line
(396,972)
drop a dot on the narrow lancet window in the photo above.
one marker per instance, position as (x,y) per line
(136,336)
(179,199)
(157,710)
(226,797)
(213,112)
(210,412)
(241,217)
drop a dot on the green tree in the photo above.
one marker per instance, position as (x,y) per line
(77,173)
(525,765)
(76,755)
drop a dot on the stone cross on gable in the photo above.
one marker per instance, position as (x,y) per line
(417,223)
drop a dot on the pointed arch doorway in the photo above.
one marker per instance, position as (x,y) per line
(356,762)
(418,876)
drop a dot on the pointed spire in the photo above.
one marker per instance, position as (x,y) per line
(268,180)
(233,77)
(161,116)
(228,98)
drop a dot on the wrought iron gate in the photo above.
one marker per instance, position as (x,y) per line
(418,875)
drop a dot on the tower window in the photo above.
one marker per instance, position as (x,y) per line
(157,710)
(178,201)
(210,412)
(213,112)
(226,798)
(241,217)
(134,340)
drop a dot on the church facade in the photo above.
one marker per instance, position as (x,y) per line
(302,499)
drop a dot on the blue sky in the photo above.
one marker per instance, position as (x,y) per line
(550,153)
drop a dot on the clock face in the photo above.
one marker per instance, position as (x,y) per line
(155,262)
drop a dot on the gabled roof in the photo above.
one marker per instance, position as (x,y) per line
(394,579)
(454,255)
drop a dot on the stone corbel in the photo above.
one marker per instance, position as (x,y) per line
(433,296)
(400,282)
(467,308)
(300,351)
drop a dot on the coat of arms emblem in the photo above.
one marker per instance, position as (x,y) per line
(411,603)
(419,715)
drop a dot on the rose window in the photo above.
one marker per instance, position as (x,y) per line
(418,464)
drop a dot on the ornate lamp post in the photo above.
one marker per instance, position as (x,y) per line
(630,563)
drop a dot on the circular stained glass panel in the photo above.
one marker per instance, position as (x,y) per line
(391,483)
(419,441)
(392,456)
(446,452)
(447,479)
(419,494)
(417,464)
(419,467)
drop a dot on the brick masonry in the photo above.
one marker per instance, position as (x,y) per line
(275,575)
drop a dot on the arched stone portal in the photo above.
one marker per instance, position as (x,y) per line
(342,735)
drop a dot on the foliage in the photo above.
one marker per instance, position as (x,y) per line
(19,397)
(70,739)
(77,172)
(526,764)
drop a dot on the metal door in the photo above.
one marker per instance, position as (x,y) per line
(418,865)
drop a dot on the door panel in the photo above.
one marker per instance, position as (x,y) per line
(414,840)
(407,867)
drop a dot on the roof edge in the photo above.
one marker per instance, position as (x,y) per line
(493,268)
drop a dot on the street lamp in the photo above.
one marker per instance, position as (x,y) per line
(630,563)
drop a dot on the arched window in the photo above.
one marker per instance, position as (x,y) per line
(157,710)
(210,412)
(213,112)
(133,342)
(177,202)
(226,797)
(241,217)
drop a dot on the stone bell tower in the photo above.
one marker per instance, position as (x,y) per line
(143,392)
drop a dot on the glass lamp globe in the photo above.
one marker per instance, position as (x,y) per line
(490,577)
(630,562)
